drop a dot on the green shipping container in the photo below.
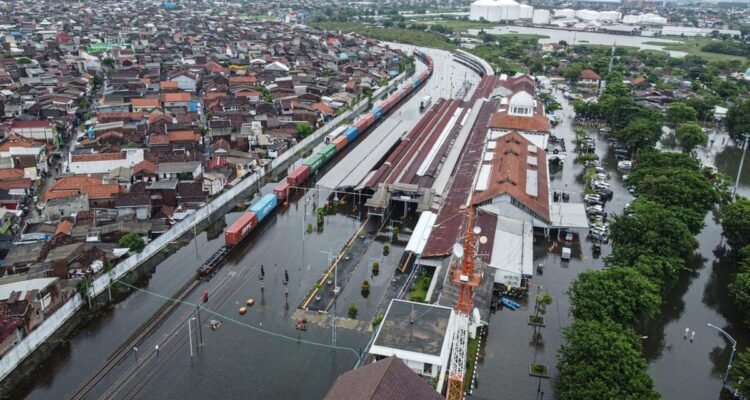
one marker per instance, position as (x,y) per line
(314,162)
(328,152)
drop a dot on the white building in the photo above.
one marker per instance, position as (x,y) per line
(644,19)
(565,13)
(417,333)
(103,163)
(498,10)
(512,251)
(540,17)
(37,130)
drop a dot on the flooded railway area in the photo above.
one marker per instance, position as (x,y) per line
(679,367)
(260,354)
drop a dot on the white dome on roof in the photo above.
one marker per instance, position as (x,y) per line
(522,99)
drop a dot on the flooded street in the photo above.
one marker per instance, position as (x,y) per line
(681,369)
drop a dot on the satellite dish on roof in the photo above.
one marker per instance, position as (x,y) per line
(483,239)
(477,229)
(458,250)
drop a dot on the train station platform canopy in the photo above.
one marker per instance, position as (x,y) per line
(568,215)
(362,159)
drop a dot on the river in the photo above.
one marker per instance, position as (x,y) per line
(580,37)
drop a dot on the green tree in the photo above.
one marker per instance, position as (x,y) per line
(654,230)
(663,270)
(132,241)
(23,61)
(738,120)
(735,223)
(690,135)
(304,130)
(602,360)
(621,294)
(108,62)
(739,375)
(679,113)
(640,133)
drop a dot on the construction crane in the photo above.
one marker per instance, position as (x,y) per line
(467,279)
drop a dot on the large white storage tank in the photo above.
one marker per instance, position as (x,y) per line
(610,16)
(541,17)
(527,11)
(566,13)
(496,10)
(587,15)
(653,19)
(482,9)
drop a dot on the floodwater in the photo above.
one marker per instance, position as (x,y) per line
(579,37)
(680,368)
(260,354)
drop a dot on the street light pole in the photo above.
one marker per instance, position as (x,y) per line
(739,171)
(190,335)
(734,348)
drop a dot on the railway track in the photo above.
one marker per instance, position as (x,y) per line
(150,365)
(135,339)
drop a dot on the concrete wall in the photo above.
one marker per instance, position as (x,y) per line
(217,206)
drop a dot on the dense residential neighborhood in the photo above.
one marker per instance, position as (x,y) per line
(126,125)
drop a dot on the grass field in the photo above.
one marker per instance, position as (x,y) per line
(458,25)
(421,285)
(692,46)
(406,36)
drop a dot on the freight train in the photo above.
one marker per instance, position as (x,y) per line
(335,141)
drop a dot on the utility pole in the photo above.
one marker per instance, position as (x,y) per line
(739,171)
(332,258)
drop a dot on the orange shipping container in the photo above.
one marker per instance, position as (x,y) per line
(240,229)
(340,142)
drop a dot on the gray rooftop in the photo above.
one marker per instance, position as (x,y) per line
(416,327)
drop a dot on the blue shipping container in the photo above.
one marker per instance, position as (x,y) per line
(351,134)
(378,111)
(264,206)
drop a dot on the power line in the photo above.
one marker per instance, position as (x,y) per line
(224,317)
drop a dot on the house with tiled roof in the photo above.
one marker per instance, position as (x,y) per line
(145,104)
(589,78)
(37,130)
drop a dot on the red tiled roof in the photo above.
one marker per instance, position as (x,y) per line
(58,194)
(169,84)
(590,74)
(31,124)
(98,157)
(509,173)
(175,97)
(74,183)
(324,108)
(64,227)
(152,102)
(144,166)
(11,173)
(17,183)
(183,136)
(213,66)
(214,95)
(106,191)
(156,140)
